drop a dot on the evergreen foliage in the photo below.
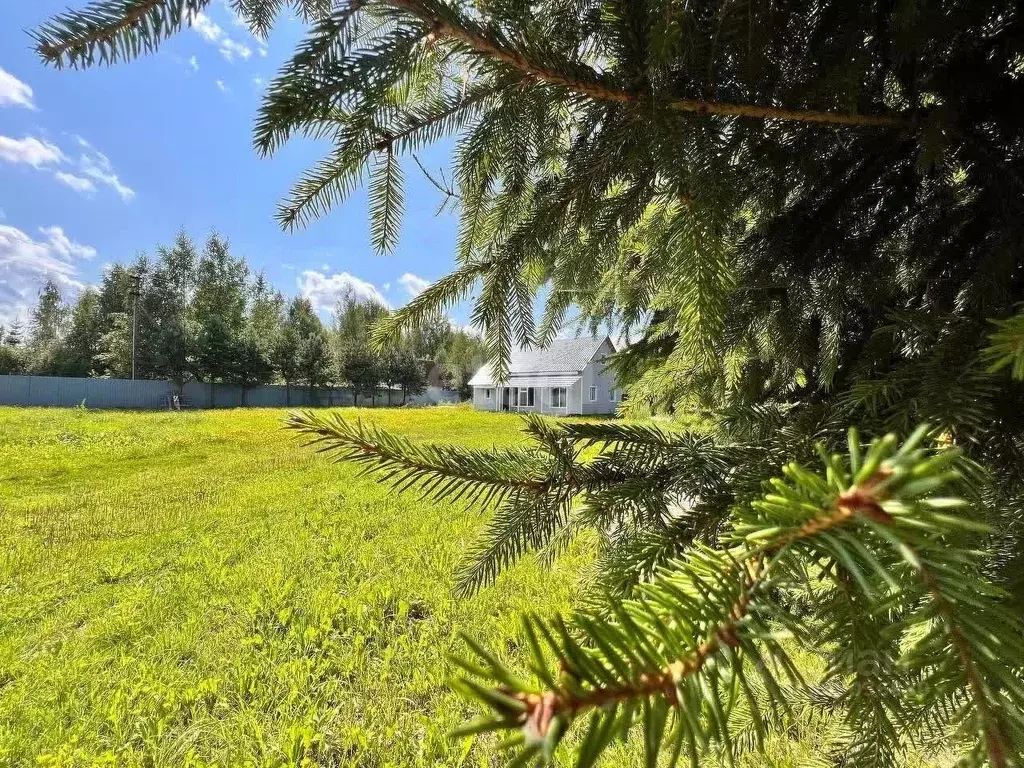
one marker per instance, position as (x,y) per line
(315,365)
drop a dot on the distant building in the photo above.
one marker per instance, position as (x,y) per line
(567,377)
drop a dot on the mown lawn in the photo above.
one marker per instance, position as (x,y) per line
(187,589)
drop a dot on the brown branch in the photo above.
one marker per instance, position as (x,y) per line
(858,501)
(592,87)
(445,190)
(101,35)
(542,707)
(596,90)
(993,736)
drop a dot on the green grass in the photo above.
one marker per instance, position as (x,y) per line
(198,589)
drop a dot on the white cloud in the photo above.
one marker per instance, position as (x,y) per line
(63,245)
(386,287)
(221,87)
(414,284)
(29,150)
(95,165)
(238,21)
(229,49)
(92,167)
(25,263)
(194,63)
(257,81)
(79,184)
(13,92)
(324,291)
(207,28)
(211,31)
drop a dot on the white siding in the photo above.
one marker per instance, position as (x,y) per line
(595,375)
(480,401)
(575,398)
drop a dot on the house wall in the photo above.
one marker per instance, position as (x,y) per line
(575,398)
(541,401)
(481,403)
(596,375)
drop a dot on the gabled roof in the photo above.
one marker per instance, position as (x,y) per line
(563,357)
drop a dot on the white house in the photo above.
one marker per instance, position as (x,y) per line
(567,377)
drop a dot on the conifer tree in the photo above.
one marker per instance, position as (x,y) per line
(48,316)
(15,335)
(84,335)
(12,354)
(805,215)
(167,309)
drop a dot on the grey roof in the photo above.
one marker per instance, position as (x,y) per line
(561,357)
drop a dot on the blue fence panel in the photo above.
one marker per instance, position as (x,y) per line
(124,393)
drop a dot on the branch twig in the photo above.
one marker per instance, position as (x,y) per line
(597,90)
(102,35)
(542,707)
(448,191)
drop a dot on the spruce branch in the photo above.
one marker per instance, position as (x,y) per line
(439,472)
(703,624)
(524,523)
(437,297)
(387,197)
(121,29)
(125,28)
(1006,346)
(418,124)
(592,85)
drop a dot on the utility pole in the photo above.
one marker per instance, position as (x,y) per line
(136,279)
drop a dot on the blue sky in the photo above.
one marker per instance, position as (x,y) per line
(97,166)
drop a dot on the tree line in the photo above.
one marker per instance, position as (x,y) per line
(201,314)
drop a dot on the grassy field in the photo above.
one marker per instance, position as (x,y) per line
(198,589)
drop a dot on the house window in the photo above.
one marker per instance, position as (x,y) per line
(487,394)
(558,397)
(593,394)
(524,397)
(611,395)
